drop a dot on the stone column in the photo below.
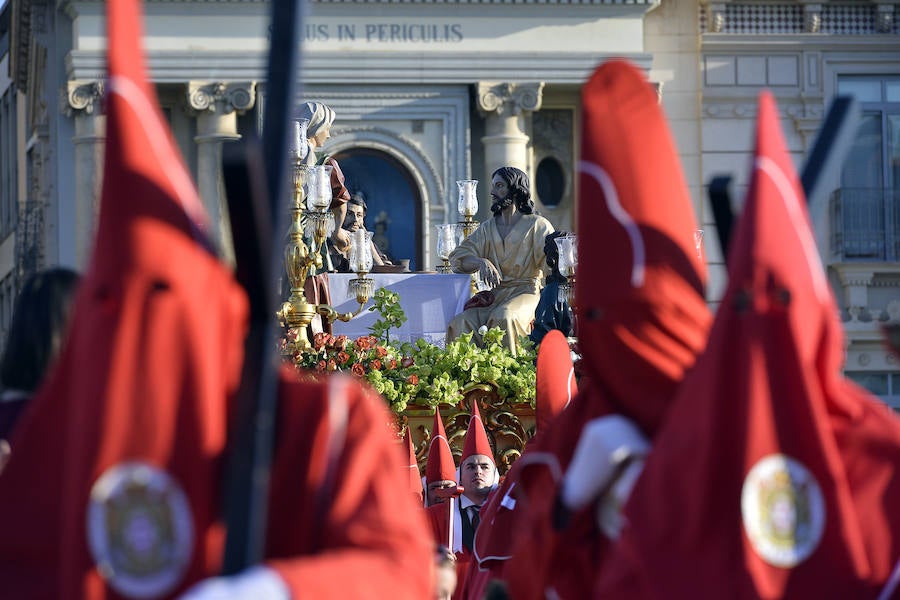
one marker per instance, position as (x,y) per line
(83,102)
(216,106)
(506,107)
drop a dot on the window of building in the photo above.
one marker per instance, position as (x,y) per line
(865,211)
(551,181)
(394,206)
(8,199)
(7,301)
(882,384)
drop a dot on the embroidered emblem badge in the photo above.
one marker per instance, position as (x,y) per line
(140,530)
(783,510)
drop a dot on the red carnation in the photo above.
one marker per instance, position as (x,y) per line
(319,340)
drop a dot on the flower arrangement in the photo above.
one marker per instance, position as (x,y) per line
(380,364)
(424,374)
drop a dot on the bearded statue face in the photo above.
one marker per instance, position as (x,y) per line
(501,195)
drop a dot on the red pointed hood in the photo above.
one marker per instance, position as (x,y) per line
(639,297)
(476,438)
(154,351)
(440,466)
(763,435)
(556,385)
(412,465)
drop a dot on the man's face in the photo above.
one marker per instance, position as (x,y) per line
(436,485)
(476,476)
(354,218)
(499,189)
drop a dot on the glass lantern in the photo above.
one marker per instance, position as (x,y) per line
(299,144)
(318,197)
(447,240)
(361,251)
(568,254)
(468,199)
(568,261)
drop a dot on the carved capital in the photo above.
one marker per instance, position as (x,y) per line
(884,18)
(715,18)
(509,99)
(221,97)
(812,18)
(83,97)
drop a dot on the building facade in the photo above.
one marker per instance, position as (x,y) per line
(431,92)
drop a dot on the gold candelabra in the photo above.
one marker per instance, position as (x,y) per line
(309,228)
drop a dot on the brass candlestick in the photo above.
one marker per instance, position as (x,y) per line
(303,255)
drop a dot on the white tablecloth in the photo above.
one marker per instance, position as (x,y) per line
(430,301)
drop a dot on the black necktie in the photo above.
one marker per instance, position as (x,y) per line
(474,516)
(470,520)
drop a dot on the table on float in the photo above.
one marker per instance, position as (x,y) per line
(430,301)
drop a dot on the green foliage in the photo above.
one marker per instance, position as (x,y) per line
(387,304)
(462,363)
(424,374)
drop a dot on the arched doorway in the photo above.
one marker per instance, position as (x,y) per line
(394,202)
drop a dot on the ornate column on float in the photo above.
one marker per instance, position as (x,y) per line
(83,102)
(506,107)
(216,106)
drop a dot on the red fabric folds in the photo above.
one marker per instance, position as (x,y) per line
(777,475)
(642,317)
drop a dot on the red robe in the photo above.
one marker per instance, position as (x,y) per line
(501,520)
(544,557)
(439,519)
(642,315)
(142,387)
(778,477)
(367,539)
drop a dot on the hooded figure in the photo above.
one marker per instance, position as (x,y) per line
(779,476)
(502,514)
(115,485)
(440,470)
(456,522)
(412,467)
(642,318)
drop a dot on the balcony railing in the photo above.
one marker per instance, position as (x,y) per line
(865,224)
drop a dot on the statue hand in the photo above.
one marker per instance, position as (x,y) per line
(341,240)
(489,273)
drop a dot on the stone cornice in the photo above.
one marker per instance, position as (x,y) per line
(368,68)
(648,3)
